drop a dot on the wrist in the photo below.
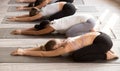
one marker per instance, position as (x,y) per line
(20,32)
(15,19)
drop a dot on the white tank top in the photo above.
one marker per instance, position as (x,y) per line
(50,9)
(63,24)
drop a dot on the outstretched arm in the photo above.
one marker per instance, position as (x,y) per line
(25,18)
(23,8)
(22,16)
(32,31)
(52,53)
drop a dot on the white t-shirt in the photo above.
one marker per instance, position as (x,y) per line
(50,9)
(63,24)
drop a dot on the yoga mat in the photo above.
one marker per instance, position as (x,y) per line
(80,8)
(5,34)
(116,33)
(78,2)
(4,21)
(14,2)
(86,8)
(75,2)
(13,9)
(5,57)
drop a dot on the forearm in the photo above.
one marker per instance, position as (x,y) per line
(39,32)
(33,49)
(22,16)
(32,33)
(27,8)
(24,19)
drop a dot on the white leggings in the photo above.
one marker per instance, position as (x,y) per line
(81,28)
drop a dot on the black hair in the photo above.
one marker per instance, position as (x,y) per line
(49,45)
(33,11)
(36,3)
(42,25)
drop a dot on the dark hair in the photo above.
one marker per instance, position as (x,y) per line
(49,45)
(31,4)
(42,25)
(33,11)
(36,3)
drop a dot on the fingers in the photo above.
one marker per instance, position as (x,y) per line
(17,52)
(16,32)
(11,19)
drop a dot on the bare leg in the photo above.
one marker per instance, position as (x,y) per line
(111,55)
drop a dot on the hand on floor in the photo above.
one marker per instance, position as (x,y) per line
(11,19)
(17,52)
(16,32)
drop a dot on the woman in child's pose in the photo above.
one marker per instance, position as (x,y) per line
(88,47)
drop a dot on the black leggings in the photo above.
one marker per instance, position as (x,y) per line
(96,51)
(38,2)
(68,9)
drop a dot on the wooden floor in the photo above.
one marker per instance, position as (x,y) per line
(101,6)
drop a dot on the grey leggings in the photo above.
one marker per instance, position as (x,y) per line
(81,28)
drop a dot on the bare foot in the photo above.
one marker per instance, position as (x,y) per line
(111,55)
(17,52)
